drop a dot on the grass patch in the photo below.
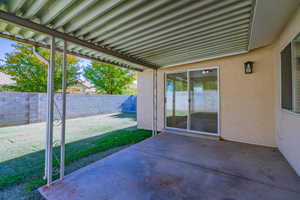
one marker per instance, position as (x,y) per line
(7,181)
(116,139)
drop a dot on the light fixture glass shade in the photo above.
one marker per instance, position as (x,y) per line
(248,67)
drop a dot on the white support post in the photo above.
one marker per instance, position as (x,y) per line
(156,95)
(153,124)
(155,101)
(63,117)
(50,113)
(154,105)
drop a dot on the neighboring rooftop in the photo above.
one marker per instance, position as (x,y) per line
(6,79)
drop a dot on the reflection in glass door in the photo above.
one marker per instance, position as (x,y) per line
(204,100)
(192,100)
(177,100)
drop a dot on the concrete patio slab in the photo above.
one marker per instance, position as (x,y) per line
(171,166)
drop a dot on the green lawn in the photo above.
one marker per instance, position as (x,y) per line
(22,154)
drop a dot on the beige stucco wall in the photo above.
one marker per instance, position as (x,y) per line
(288,124)
(144,99)
(246,101)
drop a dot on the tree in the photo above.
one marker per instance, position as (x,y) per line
(109,79)
(30,73)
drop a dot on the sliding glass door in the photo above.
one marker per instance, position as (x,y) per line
(177,100)
(204,100)
(192,101)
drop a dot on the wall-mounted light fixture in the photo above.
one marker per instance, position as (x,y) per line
(248,67)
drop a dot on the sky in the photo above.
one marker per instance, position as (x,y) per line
(5,47)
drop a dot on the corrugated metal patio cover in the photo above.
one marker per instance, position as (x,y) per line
(155,33)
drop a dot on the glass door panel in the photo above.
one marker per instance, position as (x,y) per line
(177,100)
(204,100)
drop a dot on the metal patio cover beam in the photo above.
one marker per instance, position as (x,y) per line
(37,44)
(46,30)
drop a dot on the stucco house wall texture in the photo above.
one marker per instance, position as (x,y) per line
(288,124)
(246,101)
(250,109)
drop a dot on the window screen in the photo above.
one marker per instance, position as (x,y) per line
(286,79)
(296,73)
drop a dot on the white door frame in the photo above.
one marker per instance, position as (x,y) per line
(188,117)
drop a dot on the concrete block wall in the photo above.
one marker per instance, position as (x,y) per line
(23,108)
(33,111)
(14,108)
(79,105)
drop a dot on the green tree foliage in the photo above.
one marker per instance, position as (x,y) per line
(30,73)
(109,79)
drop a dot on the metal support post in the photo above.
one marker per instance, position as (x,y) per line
(154,107)
(63,116)
(153,125)
(155,101)
(50,112)
(174,99)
